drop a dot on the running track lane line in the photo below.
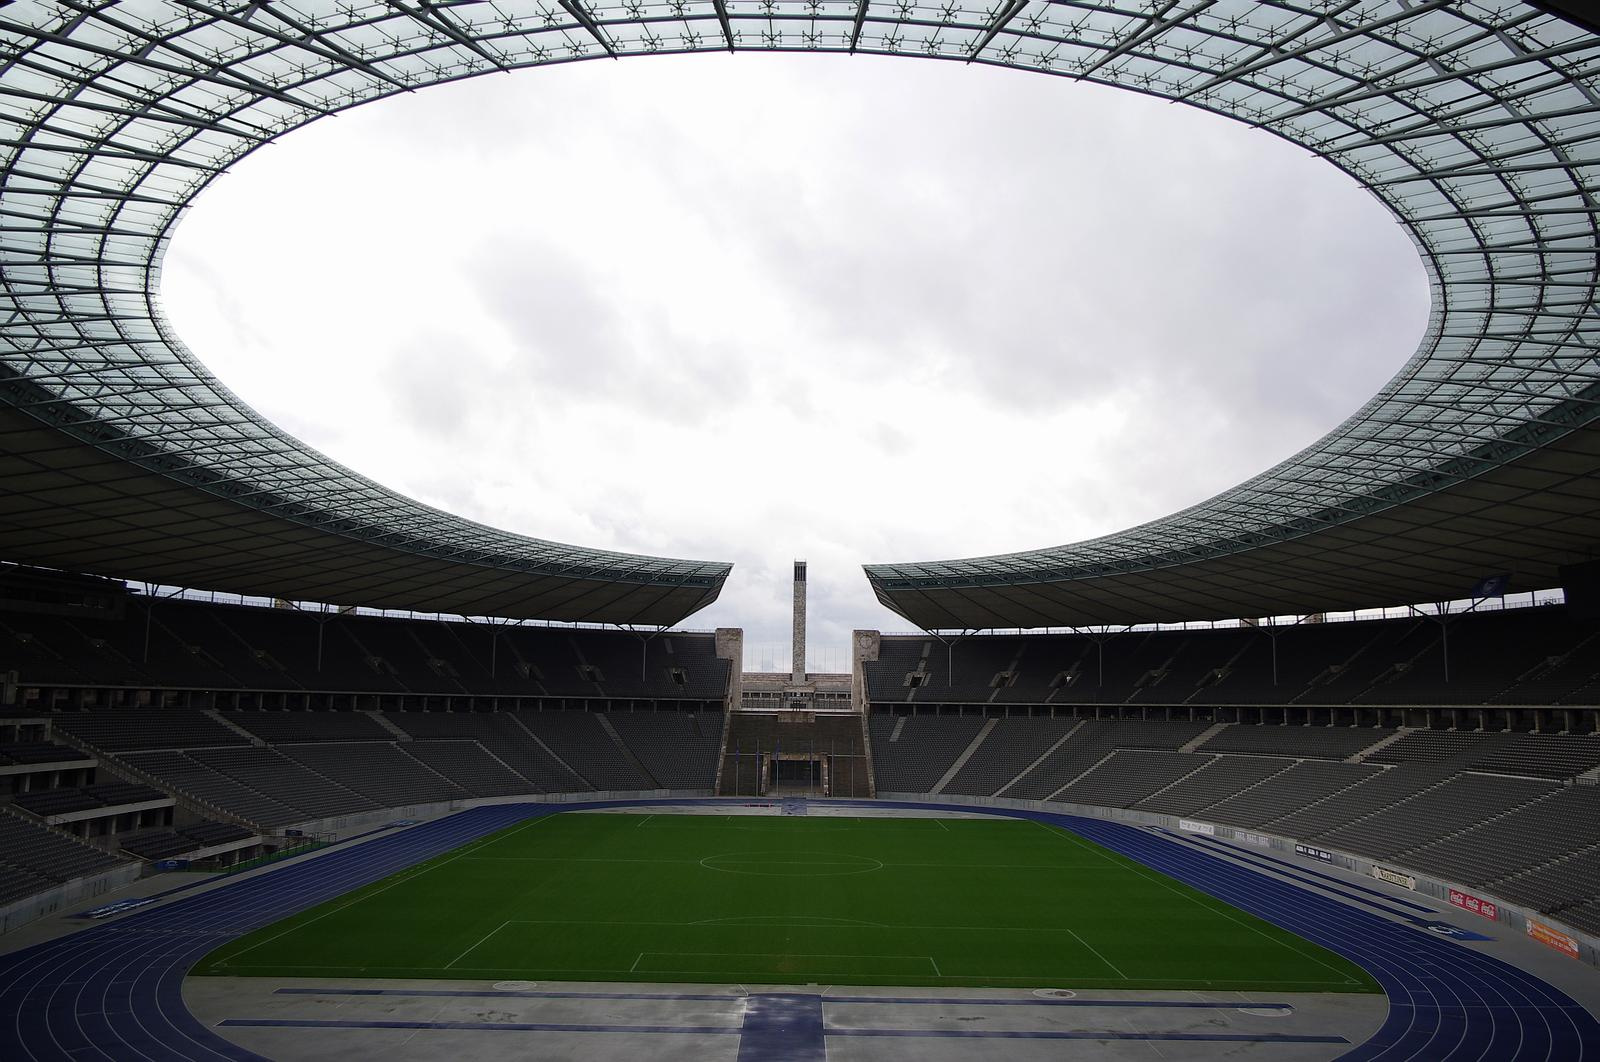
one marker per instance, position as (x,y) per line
(114,991)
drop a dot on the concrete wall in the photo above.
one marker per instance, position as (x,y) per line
(71,894)
(730,647)
(864,647)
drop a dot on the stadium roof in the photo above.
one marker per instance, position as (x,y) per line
(1475,122)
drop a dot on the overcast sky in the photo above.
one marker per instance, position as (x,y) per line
(753,308)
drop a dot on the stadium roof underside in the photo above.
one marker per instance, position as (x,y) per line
(113,505)
(1475,122)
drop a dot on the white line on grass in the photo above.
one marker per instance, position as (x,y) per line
(1029,980)
(1076,868)
(705,923)
(570,859)
(1097,955)
(479,944)
(766,955)
(816,922)
(642,821)
(1193,897)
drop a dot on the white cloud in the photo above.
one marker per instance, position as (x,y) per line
(753,308)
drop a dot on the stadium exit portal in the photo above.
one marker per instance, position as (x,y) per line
(796,775)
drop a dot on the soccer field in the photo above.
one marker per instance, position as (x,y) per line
(786,900)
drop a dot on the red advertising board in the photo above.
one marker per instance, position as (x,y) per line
(1552,938)
(1468,902)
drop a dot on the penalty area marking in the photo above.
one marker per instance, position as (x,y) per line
(1195,897)
(401,878)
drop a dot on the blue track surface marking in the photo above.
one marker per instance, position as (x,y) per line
(112,991)
(783,1027)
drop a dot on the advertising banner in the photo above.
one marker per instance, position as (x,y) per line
(1254,838)
(1189,826)
(1314,852)
(1394,877)
(116,908)
(1468,902)
(1552,938)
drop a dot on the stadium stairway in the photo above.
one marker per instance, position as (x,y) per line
(623,750)
(1203,737)
(1046,754)
(1370,750)
(222,720)
(961,760)
(388,724)
(1081,775)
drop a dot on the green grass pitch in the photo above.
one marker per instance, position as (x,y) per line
(787,900)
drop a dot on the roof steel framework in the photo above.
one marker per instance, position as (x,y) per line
(1475,122)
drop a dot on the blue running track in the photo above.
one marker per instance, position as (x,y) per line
(113,992)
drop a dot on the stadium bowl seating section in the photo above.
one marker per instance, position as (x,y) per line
(237,723)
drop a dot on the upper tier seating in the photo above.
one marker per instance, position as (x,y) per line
(183,644)
(1513,656)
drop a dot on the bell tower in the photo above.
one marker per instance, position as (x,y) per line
(798,669)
